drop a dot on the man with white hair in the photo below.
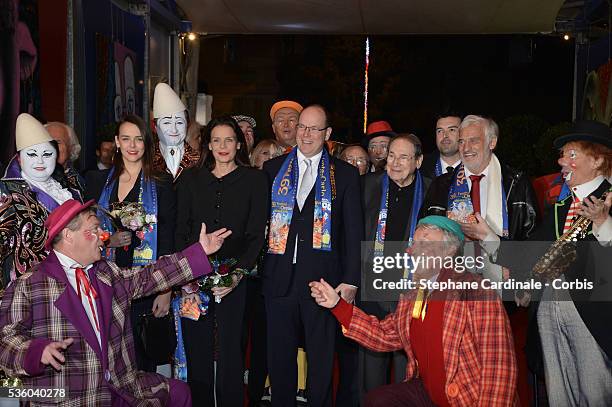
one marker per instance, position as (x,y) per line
(490,200)
(69,151)
(492,192)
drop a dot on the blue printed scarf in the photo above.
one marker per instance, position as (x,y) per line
(381,224)
(284,191)
(460,208)
(146,252)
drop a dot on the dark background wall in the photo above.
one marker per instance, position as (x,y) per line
(500,76)
(411,78)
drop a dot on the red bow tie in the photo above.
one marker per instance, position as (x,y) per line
(90,292)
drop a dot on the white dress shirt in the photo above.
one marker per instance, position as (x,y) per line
(102,166)
(314,165)
(603,234)
(444,164)
(173,161)
(69,265)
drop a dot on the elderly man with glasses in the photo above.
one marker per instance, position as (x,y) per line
(315,232)
(391,200)
(357,157)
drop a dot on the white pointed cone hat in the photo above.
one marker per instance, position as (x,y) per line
(166,102)
(29,132)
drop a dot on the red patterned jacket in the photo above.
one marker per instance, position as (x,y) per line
(477,343)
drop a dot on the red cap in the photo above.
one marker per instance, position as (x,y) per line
(379,127)
(376,129)
(61,216)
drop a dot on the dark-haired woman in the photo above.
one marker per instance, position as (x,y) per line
(132,179)
(223,191)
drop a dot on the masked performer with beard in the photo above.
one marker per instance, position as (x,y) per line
(30,189)
(172,154)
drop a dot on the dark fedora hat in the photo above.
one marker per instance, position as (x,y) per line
(586,130)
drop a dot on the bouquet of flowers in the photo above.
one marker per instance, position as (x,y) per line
(223,271)
(131,216)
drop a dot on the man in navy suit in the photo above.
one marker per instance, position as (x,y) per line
(315,232)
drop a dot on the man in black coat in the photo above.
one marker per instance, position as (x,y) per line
(403,162)
(446,158)
(477,140)
(287,272)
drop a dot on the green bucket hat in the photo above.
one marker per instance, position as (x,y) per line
(444,223)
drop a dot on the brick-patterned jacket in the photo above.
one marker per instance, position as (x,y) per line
(479,357)
(190,159)
(41,306)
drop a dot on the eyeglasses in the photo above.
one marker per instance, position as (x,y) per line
(401,158)
(280,121)
(356,161)
(378,146)
(308,129)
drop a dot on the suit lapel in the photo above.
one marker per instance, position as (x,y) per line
(561,210)
(562,207)
(373,207)
(69,304)
(103,286)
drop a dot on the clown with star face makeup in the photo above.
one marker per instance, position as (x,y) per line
(172,154)
(29,190)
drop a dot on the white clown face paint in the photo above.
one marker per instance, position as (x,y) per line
(38,161)
(172,130)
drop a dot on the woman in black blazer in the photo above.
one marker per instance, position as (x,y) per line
(133,179)
(222,192)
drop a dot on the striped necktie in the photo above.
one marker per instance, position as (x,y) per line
(571,214)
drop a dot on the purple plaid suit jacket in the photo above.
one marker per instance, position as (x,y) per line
(41,306)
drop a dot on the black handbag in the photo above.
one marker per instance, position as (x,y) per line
(158,337)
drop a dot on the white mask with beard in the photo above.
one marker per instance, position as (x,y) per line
(38,161)
(172,130)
